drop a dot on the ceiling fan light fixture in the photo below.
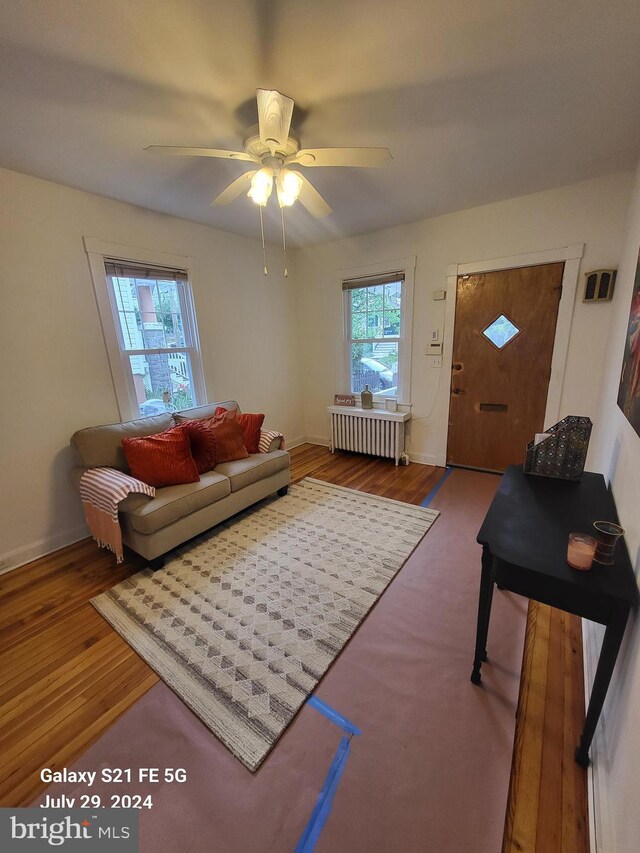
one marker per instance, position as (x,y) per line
(288,187)
(272,145)
(261,186)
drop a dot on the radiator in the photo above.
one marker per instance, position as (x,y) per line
(373,431)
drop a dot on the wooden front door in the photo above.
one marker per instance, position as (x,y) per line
(502,347)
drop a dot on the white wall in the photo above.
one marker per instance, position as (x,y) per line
(617,454)
(54,373)
(591,212)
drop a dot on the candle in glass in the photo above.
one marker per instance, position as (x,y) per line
(580,551)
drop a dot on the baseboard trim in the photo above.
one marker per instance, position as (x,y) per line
(308,439)
(305,439)
(425,459)
(601,833)
(11,560)
(322,440)
(296,441)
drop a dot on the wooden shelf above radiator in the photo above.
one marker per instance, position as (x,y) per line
(380,414)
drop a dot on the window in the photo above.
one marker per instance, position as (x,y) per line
(149,324)
(377,311)
(501,331)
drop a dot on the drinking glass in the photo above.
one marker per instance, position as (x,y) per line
(607,534)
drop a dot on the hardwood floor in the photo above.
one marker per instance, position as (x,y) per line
(66,675)
(366,473)
(547,803)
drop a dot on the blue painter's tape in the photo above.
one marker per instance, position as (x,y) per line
(333,715)
(434,491)
(309,837)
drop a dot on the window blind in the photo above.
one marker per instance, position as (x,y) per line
(373,280)
(129,269)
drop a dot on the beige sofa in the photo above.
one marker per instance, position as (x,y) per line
(153,526)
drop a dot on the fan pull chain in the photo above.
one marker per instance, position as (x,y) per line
(284,244)
(264,251)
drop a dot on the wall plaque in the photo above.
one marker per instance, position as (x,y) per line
(344,400)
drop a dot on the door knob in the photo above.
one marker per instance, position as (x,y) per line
(457,391)
(457,366)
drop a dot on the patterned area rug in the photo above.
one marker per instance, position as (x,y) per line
(244,622)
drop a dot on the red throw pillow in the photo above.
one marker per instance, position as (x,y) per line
(161,460)
(228,437)
(251,425)
(202,442)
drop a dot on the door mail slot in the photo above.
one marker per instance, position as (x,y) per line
(493,407)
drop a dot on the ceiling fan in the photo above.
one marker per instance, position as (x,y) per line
(275,147)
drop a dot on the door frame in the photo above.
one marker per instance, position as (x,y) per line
(572,256)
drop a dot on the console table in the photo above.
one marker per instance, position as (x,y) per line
(524,550)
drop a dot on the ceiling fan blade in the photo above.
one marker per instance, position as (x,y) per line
(364,157)
(311,199)
(201,152)
(235,189)
(274,118)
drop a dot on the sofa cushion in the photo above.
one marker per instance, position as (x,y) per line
(173,502)
(101,446)
(227,435)
(250,424)
(161,460)
(257,466)
(202,442)
(207,411)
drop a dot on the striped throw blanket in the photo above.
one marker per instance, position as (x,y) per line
(101,490)
(266,437)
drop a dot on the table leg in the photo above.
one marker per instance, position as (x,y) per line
(484,613)
(606,662)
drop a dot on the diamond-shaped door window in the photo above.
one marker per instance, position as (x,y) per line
(501,331)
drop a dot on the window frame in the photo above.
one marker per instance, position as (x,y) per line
(405,343)
(97,253)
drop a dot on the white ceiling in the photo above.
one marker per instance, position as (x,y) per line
(479,100)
